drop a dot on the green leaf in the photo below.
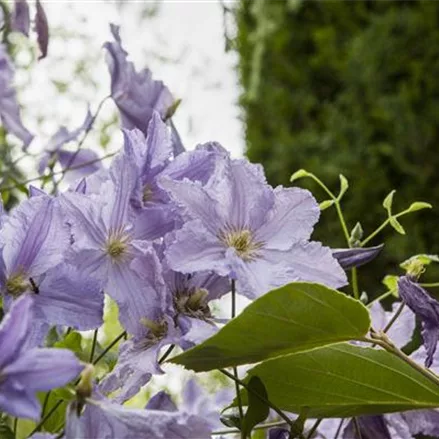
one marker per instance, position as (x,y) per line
(257,410)
(325,204)
(297,317)
(64,393)
(299,174)
(396,225)
(419,205)
(72,341)
(388,201)
(344,380)
(5,430)
(344,185)
(391,282)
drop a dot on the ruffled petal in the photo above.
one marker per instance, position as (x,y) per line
(292,218)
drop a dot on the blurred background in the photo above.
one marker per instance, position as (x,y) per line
(329,86)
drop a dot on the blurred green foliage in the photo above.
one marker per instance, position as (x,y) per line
(347,87)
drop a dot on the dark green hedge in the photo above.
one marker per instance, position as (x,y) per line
(353,88)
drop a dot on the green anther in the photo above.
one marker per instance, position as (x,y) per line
(158,329)
(193,304)
(147,193)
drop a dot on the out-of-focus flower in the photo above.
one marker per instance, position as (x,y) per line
(427,308)
(136,94)
(102,418)
(80,163)
(9,109)
(26,371)
(238,226)
(20,18)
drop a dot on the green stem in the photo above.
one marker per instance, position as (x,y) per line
(313,429)
(51,412)
(235,369)
(382,226)
(394,317)
(167,353)
(108,348)
(93,345)
(342,220)
(379,298)
(430,285)
(63,171)
(46,401)
(266,401)
(354,281)
(15,426)
(383,341)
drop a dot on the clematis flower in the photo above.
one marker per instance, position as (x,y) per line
(183,320)
(103,418)
(238,226)
(34,241)
(9,109)
(427,308)
(106,247)
(26,371)
(84,161)
(136,94)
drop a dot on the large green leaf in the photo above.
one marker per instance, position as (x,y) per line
(345,380)
(297,317)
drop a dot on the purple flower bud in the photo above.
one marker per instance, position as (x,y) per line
(355,257)
(20,20)
(42,29)
(426,308)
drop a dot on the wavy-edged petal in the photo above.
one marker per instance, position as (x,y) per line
(292,218)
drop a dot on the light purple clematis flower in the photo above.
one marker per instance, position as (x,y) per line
(136,95)
(424,306)
(105,419)
(83,161)
(238,226)
(9,109)
(26,371)
(34,240)
(20,18)
(106,247)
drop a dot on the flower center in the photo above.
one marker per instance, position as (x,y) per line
(193,304)
(147,193)
(117,245)
(157,330)
(17,284)
(242,241)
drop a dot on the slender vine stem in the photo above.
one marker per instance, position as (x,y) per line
(63,171)
(394,317)
(380,298)
(382,340)
(430,285)
(93,345)
(167,353)
(266,401)
(15,426)
(45,418)
(46,401)
(235,369)
(109,347)
(337,433)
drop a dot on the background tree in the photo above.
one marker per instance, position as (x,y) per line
(347,87)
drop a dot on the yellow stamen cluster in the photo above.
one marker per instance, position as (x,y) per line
(117,245)
(147,193)
(157,331)
(193,304)
(17,284)
(242,241)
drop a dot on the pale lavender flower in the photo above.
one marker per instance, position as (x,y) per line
(26,371)
(106,247)
(84,161)
(9,109)
(238,226)
(356,257)
(136,94)
(427,308)
(105,419)
(20,19)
